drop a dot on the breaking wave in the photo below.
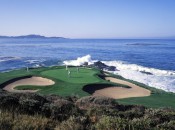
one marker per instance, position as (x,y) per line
(79,61)
(161,79)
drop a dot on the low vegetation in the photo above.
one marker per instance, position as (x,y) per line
(36,112)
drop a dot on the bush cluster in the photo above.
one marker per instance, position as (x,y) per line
(19,111)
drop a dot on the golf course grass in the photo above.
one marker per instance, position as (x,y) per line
(73,85)
(64,85)
(84,75)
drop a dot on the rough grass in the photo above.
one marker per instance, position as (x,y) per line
(11,121)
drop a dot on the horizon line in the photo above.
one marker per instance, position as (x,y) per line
(47,36)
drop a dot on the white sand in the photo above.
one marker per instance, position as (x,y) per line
(121,92)
(36,81)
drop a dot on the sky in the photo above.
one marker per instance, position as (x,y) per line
(88,18)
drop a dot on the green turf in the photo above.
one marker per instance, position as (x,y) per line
(84,75)
(155,100)
(66,86)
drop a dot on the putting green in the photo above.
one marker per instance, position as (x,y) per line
(84,75)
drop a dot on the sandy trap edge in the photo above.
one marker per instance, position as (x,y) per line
(33,80)
(121,92)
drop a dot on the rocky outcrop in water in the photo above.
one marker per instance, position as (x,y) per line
(102,66)
(148,73)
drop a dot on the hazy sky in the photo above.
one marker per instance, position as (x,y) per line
(88,18)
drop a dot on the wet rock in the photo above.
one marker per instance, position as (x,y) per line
(148,73)
(103,66)
(111,68)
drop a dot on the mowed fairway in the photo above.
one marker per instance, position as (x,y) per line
(84,75)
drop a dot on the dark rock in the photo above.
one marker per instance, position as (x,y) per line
(102,66)
(111,68)
(148,73)
(85,64)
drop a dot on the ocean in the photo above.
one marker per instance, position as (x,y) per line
(150,61)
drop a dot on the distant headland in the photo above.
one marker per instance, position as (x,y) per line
(32,36)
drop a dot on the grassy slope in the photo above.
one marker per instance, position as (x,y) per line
(65,86)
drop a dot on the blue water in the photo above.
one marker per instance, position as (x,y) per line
(153,54)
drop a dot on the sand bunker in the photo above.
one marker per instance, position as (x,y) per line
(121,92)
(36,81)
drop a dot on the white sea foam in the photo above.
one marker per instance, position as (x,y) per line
(79,61)
(35,63)
(32,61)
(125,66)
(161,79)
(3,59)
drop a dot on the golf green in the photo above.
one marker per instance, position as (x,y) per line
(81,75)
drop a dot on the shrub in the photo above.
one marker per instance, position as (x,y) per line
(140,124)
(5,121)
(167,125)
(112,123)
(8,102)
(91,101)
(24,122)
(31,103)
(32,111)
(60,109)
(73,123)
